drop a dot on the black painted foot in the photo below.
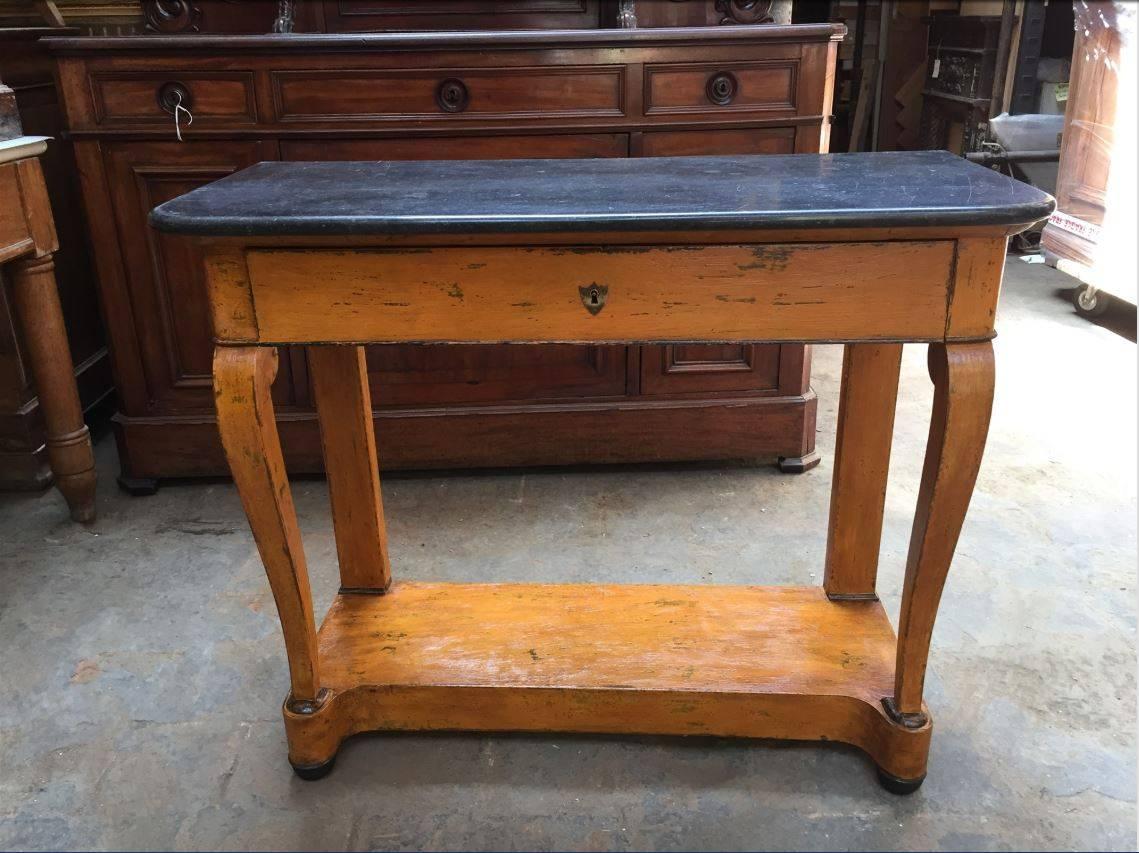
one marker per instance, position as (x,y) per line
(901,787)
(312,772)
(139,487)
(799,464)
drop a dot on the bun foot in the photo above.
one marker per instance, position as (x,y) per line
(901,787)
(312,772)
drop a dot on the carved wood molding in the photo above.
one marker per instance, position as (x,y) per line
(171,16)
(76,11)
(745,11)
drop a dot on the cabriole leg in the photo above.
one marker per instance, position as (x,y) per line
(963,376)
(867,400)
(344,407)
(242,380)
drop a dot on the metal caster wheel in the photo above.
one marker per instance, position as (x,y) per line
(312,772)
(1091,303)
(901,787)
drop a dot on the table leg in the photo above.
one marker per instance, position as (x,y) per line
(36,300)
(867,399)
(963,376)
(242,380)
(344,407)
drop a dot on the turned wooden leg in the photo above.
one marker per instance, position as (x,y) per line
(49,357)
(867,400)
(242,380)
(963,399)
(344,407)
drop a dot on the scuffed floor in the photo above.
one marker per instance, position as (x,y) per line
(143,668)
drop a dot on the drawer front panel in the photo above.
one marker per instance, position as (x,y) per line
(460,148)
(764,140)
(448,94)
(212,98)
(789,292)
(766,86)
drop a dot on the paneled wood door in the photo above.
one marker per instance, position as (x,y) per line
(758,370)
(168,319)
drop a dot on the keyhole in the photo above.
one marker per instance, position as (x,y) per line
(593,296)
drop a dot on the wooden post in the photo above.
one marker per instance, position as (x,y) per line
(37,307)
(963,376)
(344,407)
(867,400)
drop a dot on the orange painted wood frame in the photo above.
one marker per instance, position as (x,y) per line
(801,663)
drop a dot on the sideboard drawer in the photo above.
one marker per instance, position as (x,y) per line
(414,96)
(511,147)
(212,98)
(760,86)
(743,140)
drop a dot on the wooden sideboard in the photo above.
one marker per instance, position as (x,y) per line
(446,96)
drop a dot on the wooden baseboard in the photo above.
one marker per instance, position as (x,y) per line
(502,436)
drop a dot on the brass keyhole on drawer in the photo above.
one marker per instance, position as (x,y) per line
(452,95)
(593,297)
(722,88)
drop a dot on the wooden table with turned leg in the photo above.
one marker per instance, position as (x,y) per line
(872,250)
(27,242)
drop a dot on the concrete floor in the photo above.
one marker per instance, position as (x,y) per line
(143,667)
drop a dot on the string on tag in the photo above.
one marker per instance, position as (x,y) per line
(179,108)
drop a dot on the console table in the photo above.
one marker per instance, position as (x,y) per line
(874,250)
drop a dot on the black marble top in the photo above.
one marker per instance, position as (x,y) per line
(916,188)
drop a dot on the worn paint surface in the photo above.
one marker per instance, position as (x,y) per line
(144,668)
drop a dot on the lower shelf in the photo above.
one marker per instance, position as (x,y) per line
(769,662)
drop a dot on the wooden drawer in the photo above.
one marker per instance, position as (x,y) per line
(447,94)
(460,147)
(767,85)
(788,292)
(213,98)
(757,140)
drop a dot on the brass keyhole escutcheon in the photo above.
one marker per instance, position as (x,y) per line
(593,297)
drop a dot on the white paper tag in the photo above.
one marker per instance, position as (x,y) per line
(936,68)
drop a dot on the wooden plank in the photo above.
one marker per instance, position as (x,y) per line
(716,293)
(344,406)
(589,637)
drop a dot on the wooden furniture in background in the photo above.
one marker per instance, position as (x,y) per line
(27,242)
(872,249)
(27,68)
(584,93)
